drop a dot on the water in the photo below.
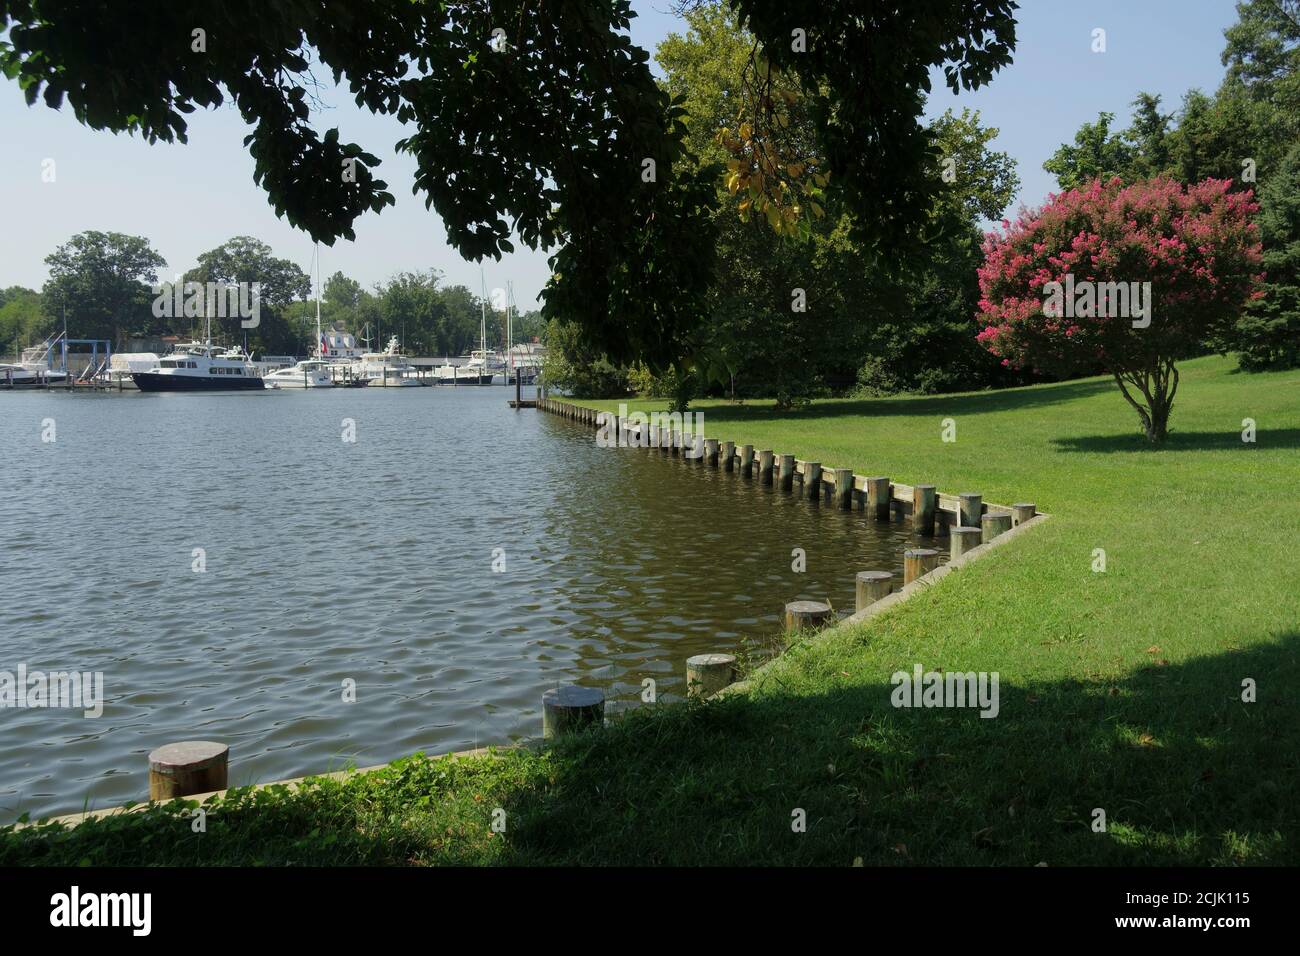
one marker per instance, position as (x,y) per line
(372,561)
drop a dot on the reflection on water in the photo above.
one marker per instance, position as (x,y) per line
(329,561)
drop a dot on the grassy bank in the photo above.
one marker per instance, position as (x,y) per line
(1119,690)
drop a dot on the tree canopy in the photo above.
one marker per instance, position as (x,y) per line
(539,119)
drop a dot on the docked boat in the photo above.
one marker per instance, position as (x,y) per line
(476,371)
(387,368)
(33,369)
(201,367)
(309,373)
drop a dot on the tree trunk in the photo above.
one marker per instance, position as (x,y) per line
(1157,386)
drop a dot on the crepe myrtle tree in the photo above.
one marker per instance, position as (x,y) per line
(1129,279)
(537,119)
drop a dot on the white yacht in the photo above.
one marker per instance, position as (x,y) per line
(309,373)
(387,368)
(32,369)
(201,367)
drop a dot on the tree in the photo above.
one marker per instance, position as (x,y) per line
(543,118)
(1194,245)
(1262,55)
(1268,335)
(1097,153)
(103,280)
(244,259)
(22,318)
(758,332)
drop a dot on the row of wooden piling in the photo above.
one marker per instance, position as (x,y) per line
(192,767)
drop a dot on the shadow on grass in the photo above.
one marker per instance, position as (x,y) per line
(969,403)
(1227,440)
(1186,772)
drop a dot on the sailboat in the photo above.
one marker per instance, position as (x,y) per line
(312,372)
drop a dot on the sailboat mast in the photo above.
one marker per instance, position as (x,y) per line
(319,337)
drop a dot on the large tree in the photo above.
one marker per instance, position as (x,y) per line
(1268,335)
(102,282)
(539,118)
(244,259)
(1131,278)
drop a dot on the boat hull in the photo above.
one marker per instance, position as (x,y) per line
(156,382)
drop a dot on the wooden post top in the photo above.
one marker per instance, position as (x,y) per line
(188,755)
(573,695)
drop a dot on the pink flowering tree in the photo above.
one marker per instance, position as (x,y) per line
(1128,279)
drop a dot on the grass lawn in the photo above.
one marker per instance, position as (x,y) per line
(1119,690)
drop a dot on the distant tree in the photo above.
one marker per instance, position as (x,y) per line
(1268,335)
(23,321)
(1262,54)
(1097,153)
(104,282)
(341,293)
(1195,245)
(1216,136)
(244,259)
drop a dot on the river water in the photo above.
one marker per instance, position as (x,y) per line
(454,561)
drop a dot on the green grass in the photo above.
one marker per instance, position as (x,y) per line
(1119,690)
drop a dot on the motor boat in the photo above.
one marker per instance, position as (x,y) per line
(309,373)
(201,367)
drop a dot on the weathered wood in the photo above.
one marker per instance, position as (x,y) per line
(878,498)
(785,476)
(1022,512)
(674,442)
(697,449)
(188,767)
(747,460)
(924,504)
(844,488)
(569,708)
(765,466)
(804,614)
(728,456)
(993,524)
(969,510)
(706,674)
(918,561)
(812,480)
(962,539)
(872,586)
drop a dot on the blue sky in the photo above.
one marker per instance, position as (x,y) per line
(188,199)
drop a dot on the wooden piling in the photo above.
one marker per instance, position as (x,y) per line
(674,442)
(1022,512)
(924,504)
(805,614)
(872,586)
(706,674)
(698,451)
(188,767)
(994,524)
(918,561)
(765,467)
(711,452)
(970,510)
(844,488)
(962,539)
(569,708)
(747,460)
(785,476)
(812,480)
(878,498)
(728,456)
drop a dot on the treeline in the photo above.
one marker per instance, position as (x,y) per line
(798,309)
(106,286)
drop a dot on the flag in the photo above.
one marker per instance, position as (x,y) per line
(324,345)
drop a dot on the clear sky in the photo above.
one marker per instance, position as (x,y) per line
(188,199)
